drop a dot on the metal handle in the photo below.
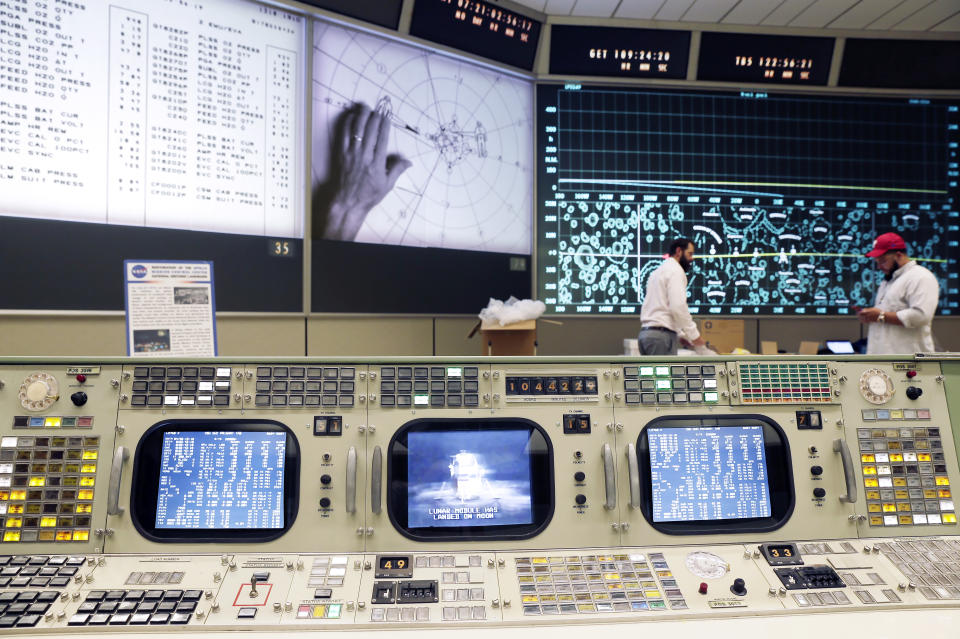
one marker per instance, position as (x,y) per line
(840,446)
(120,457)
(634,468)
(376,475)
(352,480)
(609,478)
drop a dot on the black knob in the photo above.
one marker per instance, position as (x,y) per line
(813,450)
(913,392)
(579,475)
(739,588)
(816,470)
(578,455)
(79,398)
(819,493)
(325,479)
(324,502)
(580,499)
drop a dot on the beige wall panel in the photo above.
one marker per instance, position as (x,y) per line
(451,336)
(374,336)
(264,336)
(63,335)
(946,333)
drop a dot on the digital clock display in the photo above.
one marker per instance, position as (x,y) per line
(618,52)
(386,13)
(478,27)
(741,57)
(908,64)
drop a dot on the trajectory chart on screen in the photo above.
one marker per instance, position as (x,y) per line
(221,480)
(782,195)
(168,114)
(466,129)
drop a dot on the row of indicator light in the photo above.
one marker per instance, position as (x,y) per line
(23,421)
(323,611)
(49,535)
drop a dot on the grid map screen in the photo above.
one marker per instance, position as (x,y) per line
(782,194)
(226,480)
(708,473)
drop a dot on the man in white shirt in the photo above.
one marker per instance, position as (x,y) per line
(664,318)
(899,320)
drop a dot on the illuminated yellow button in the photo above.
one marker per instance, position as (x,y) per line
(870,483)
(88,468)
(14,522)
(899,481)
(18,495)
(52,422)
(89,454)
(548,598)
(523,580)
(16,509)
(64,535)
(906,519)
(38,481)
(85,508)
(869,470)
(896,413)
(85,494)
(48,522)
(901,494)
(605,558)
(611,576)
(651,593)
(541,579)
(873,494)
(562,598)
(540,560)
(585,607)
(664,573)
(4,495)
(867,459)
(889,508)
(901,506)
(530,599)
(929,493)
(923,456)
(876,520)
(319,612)
(87,481)
(615,586)
(11,535)
(896,457)
(874,508)
(943,481)
(949,518)
(943,492)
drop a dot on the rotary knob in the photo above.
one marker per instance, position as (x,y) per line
(79,398)
(39,391)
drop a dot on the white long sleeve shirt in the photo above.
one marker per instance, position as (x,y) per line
(912,293)
(665,303)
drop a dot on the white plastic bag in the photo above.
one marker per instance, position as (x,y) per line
(513,310)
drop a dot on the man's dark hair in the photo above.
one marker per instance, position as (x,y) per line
(680,243)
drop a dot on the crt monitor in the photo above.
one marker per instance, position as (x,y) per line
(706,474)
(470,479)
(215,481)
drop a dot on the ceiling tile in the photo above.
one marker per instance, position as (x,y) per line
(559,7)
(898,14)
(639,9)
(536,5)
(951,24)
(787,11)
(821,13)
(673,9)
(708,10)
(929,16)
(862,14)
(594,8)
(751,11)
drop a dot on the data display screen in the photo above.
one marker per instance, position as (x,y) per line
(781,194)
(480,484)
(386,13)
(470,479)
(618,52)
(774,59)
(479,27)
(895,63)
(215,481)
(708,473)
(225,480)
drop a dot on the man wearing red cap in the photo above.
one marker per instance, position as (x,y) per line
(899,320)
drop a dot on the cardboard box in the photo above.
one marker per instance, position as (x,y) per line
(518,338)
(723,335)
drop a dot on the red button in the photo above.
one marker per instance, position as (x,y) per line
(911,374)
(81,377)
(703,588)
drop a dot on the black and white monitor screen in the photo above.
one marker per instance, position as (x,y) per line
(221,479)
(708,473)
(840,347)
(470,479)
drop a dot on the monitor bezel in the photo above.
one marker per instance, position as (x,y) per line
(145,482)
(542,494)
(779,472)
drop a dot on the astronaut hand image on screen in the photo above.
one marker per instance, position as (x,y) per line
(361,173)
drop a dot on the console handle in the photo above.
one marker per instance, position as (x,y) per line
(609,478)
(376,477)
(352,480)
(634,468)
(840,446)
(120,457)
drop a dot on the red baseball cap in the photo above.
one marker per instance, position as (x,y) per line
(887,242)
